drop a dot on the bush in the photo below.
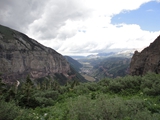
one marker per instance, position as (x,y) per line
(83,108)
(116,86)
(151,84)
(105,82)
(28,102)
(47,94)
(46,98)
(92,86)
(8,110)
(81,89)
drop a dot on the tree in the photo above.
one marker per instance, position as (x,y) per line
(2,87)
(27,99)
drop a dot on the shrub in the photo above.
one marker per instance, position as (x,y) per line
(126,85)
(83,108)
(47,94)
(8,110)
(81,89)
(116,86)
(105,82)
(28,102)
(80,109)
(151,84)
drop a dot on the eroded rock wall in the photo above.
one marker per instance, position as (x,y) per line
(21,56)
(146,61)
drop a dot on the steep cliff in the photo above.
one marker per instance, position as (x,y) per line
(21,56)
(146,61)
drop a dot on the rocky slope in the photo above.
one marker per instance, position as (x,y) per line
(21,56)
(146,61)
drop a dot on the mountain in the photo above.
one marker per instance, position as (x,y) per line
(125,53)
(21,56)
(99,68)
(106,54)
(148,60)
(112,67)
(74,63)
(122,53)
(77,57)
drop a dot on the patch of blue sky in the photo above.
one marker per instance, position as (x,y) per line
(147,17)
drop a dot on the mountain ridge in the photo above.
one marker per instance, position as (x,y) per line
(148,60)
(74,63)
(21,56)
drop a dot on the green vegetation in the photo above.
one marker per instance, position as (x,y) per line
(123,98)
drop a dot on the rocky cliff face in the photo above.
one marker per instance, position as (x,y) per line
(21,56)
(146,61)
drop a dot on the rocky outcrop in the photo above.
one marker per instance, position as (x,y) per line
(21,56)
(146,61)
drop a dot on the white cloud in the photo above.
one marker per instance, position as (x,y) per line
(76,26)
(111,37)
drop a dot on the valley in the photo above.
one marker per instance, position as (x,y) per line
(87,71)
(38,83)
(95,69)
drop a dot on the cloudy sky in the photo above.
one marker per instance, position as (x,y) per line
(81,27)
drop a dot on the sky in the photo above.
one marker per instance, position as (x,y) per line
(83,27)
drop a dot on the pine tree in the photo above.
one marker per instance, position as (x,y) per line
(27,98)
(2,87)
(28,88)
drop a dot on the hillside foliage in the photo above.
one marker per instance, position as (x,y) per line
(122,98)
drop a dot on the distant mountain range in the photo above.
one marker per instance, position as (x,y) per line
(101,67)
(123,53)
(111,67)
